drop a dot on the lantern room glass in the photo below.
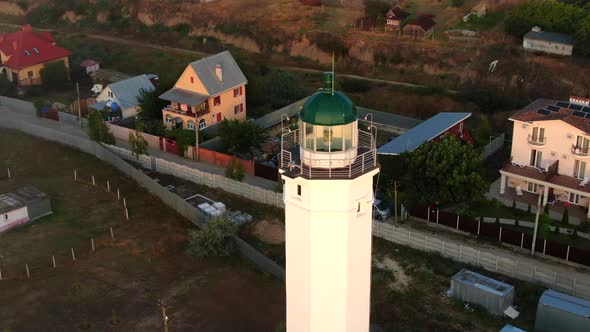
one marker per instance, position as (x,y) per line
(319,138)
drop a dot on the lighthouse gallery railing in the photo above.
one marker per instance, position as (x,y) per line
(365,160)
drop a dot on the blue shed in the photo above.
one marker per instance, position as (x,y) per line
(561,312)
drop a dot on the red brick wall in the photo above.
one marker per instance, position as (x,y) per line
(223,159)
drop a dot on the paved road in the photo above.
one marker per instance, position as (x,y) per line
(73,130)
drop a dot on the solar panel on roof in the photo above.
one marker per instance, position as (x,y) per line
(586,109)
(553,108)
(587,116)
(576,107)
(579,114)
(562,104)
(544,112)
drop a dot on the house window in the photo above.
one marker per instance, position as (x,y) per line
(582,144)
(30,73)
(6,217)
(36,50)
(202,124)
(533,187)
(358,207)
(192,80)
(579,169)
(168,119)
(217,101)
(238,108)
(574,198)
(238,92)
(27,53)
(536,158)
(190,125)
(298,190)
(110,94)
(538,135)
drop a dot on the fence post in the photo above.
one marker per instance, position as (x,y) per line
(544,246)
(515,268)
(567,255)
(457,222)
(478,252)
(500,236)
(8,170)
(0,275)
(92,243)
(409,239)
(118,194)
(554,279)
(478,227)
(126,214)
(28,274)
(428,214)
(437,211)
(574,288)
(426,243)
(124,203)
(393,233)
(93,181)
(521,240)
(460,252)
(497,259)
(251,189)
(73,255)
(112,234)
(53,260)
(108,186)
(75,175)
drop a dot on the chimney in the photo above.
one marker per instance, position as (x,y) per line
(219,72)
(27,28)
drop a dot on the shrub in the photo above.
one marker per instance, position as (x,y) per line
(556,230)
(98,130)
(457,3)
(137,142)
(214,239)
(23,4)
(546,209)
(574,235)
(184,138)
(565,217)
(55,75)
(529,209)
(514,211)
(235,170)
(497,220)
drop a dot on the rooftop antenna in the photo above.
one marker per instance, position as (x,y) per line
(333,72)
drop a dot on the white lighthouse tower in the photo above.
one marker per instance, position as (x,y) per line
(327,167)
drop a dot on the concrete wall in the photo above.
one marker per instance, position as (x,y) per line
(123,134)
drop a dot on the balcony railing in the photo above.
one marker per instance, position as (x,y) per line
(192,114)
(580,151)
(536,140)
(293,165)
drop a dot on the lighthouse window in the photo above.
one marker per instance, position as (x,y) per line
(324,139)
(309,136)
(298,190)
(347,136)
(337,138)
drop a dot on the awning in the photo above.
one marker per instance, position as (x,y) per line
(99,106)
(184,97)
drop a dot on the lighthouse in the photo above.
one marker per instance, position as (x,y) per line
(327,167)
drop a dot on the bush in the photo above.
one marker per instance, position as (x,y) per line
(529,209)
(235,170)
(55,75)
(514,211)
(98,130)
(546,209)
(183,137)
(556,230)
(574,235)
(565,217)
(240,137)
(214,239)
(329,42)
(457,3)
(497,220)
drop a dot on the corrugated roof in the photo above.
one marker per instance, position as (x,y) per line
(26,48)
(127,91)
(553,37)
(422,133)
(567,303)
(232,74)
(184,96)
(482,282)
(19,198)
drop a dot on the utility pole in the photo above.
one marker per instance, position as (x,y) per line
(79,110)
(536,223)
(395,198)
(164,316)
(197,142)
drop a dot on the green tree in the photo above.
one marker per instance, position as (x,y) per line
(184,138)
(235,170)
(544,227)
(551,15)
(150,106)
(583,37)
(138,143)
(445,172)
(98,130)
(214,239)
(240,137)
(55,75)
(7,88)
(375,11)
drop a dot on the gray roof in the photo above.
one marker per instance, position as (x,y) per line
(184,96)
(422,133)
(20,198)
(127,91)
(482,282)
(388,119)
(553,37)
(232,74)
(567,303)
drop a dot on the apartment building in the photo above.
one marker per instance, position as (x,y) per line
(551,152)
(208,91)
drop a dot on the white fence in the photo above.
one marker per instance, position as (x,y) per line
(507,266)
(207,179)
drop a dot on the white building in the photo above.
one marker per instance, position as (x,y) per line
(551,152)
(122,97)
(548,42)
(327,167)
(22,206)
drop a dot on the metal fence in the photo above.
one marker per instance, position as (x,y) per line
(493,147)
(172,200)
(465,254)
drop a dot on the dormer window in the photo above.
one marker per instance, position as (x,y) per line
(35,50)
(27,53)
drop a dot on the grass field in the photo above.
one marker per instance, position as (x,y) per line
(117,287)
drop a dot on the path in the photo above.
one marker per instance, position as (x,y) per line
(63,127)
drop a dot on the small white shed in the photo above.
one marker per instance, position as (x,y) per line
(90,66)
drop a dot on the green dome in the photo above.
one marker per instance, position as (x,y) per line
(327,109)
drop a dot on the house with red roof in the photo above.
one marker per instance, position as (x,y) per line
(24,53)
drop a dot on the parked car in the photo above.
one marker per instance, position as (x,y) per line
(382,211)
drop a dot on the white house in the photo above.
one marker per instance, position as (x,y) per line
(122,97)
(548,42)
(22,206)
(551,152)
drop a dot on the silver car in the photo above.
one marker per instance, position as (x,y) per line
(382,211)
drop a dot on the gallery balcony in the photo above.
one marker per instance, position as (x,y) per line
(580,152)
(537,141)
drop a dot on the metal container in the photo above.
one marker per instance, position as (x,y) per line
(561,312)
(475,288)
